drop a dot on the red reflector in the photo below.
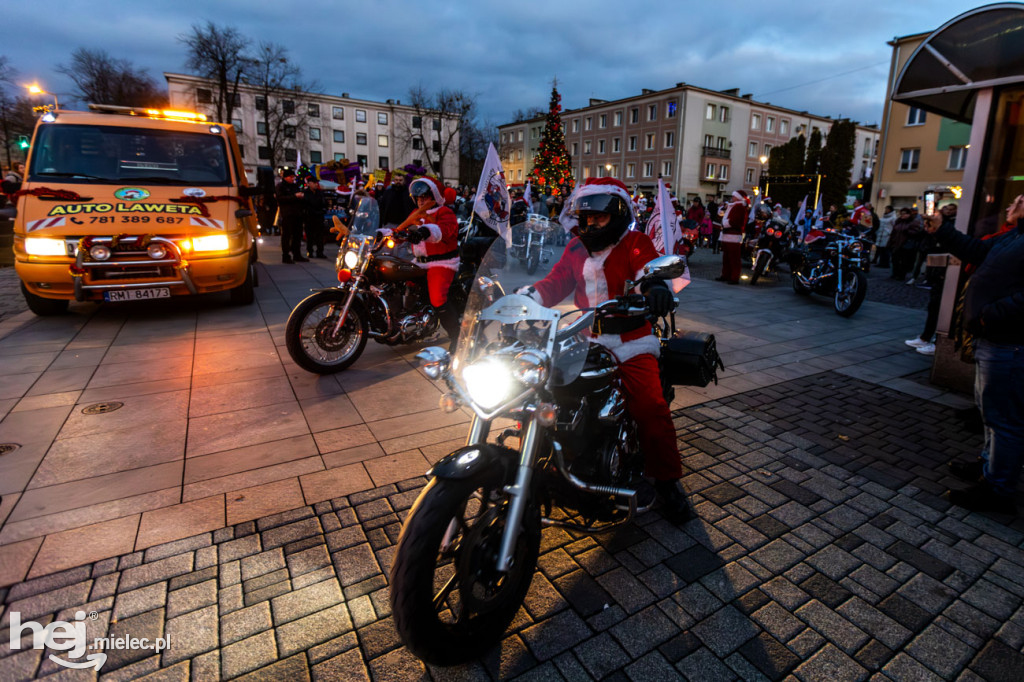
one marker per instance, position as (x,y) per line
(344,275)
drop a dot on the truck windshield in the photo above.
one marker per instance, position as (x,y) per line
(119,155)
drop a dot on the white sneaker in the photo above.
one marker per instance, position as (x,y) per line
(927,349)
(916,342)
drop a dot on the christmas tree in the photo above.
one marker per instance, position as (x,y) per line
(552,166)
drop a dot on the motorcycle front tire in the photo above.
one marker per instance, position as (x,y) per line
(301,343)
(531,264)
(860,282)
(437,640)
(799,287)
(759,265)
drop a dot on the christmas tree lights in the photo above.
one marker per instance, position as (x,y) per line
(552,165)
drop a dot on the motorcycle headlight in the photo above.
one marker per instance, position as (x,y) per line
(530,367)
(351,259)
(489,382)
(856,247)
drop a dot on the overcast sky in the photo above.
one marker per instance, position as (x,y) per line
(829,58)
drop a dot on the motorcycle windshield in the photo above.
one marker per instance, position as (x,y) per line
(365,217)
(499,325)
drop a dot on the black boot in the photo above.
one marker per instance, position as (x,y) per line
(967,471)
(450,322)
(982,497)
(673,501)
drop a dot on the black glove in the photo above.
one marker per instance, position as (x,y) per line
(659,299)
(415,235)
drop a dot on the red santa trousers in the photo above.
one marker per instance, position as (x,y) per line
(641,386)
(731,261)
(439,280)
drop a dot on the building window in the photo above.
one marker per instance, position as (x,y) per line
(755,121)
(339,157)
(288,107)
(600,146)
(618,118)
(436,146)
(632,143)
(649,141)
(723,172)
(314,133)
(783,127)
(709,113)
(519,155)
(289,132)
(586,172)
(264,152)
(261,103)
(916,117)
(575,125)
(382,140)
(237,124)
(417,143)
(241,150)
(616,144)
(382,119)
(909,159)
(723,143)
(602,121)
(957,158)
(767,149)
(615,170)
(652,112)
(204,96)
(291,155)
(382,162)
(417,162)
(533,133)
(634,115)
(588,123)
(520,135)
(666,168)
(709,171)
(709,140)
(339,135)
(417,123)
(361,160)
(670,110)
(648,169)
(575,148)
(360,116)
(586,146)
(750,176)
(752,150)
(519,174)
(630,170)
(338,113)
(670,140)
(313,110)
(769,124)
(723,114)
(316,156)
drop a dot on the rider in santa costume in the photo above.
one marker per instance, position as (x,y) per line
(734,222)
(594,268)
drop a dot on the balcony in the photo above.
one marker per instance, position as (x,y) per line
(717,152)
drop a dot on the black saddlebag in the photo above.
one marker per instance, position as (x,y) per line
(690,359)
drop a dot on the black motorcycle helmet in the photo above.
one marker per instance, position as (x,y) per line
(602,195)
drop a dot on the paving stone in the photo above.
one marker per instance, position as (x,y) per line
(292,532)
(260,564)
(834,562)
(300,603)
(556,634)
(47,602)
(156,571)
(282,518)
(786,593)
(48,583)
(262,581)
(138,601)
(333,647)
(239,548)
(705,666)
(977,622)
(345,666)
(626,590)
(872,621)
(182,546)
(361,611)
(903,667)
(825,590)
(148,625)
(245,623)
(832,626)
(230,573)
(206,666)
(680,646)
(830,664)
(365,587)
(920,560)
(940,651)
(191,598)
(355,564)
(230,599)
(806,643)
(990,599)
(248,654)
(132,671)
(313,629)
(601,655)
(129,561)
(779,622)
(268,592)
(873,655)
(192,634)
(750,601)
(874,580)
(777,556)
(725,630)
(307,579)
(652,668)
(694,563)
(104,586)
(928,593)
(643,631)
(996,661)
(661,580)
(729,581)
(223,535)
(905,612)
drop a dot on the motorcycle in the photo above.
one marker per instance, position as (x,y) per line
(468,550)
(832,264)
(530,242)
(770,249)
(381,294)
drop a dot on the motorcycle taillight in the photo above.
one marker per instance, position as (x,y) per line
(344,276)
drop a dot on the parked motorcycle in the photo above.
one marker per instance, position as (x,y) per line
(831,264)
(771,248)
(381,294)
(469,547)
(531,242)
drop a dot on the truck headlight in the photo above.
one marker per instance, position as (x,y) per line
(214,242)
(489,382)
(44,246)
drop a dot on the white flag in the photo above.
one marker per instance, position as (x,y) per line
(801,219)
(528,197)
(298,161)
(567,218)
(492,204)
(818,216)
(663,229)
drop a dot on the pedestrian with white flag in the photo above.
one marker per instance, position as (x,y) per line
(492,200)
(801,218)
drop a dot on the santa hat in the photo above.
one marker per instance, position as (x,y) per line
(436,190)
(604,186)
(740,195)
(450,195)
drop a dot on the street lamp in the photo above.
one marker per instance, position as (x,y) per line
(34,89)
(607,169)
(763,159)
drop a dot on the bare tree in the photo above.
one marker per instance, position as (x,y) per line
(521,115)
(473,143)
(218,53)
(436,123)
(16,118)
(281,101)
(103,79)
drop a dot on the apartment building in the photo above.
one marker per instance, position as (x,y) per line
(328,127)
(923,155)
(702,142)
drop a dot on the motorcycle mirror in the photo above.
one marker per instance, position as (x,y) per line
(665,267)
(435,360)
(491,290)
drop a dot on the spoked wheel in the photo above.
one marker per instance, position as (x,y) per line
(450,603)
(850,297)
(759,265)
(314,341)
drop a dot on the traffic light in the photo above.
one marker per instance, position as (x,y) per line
(23,141)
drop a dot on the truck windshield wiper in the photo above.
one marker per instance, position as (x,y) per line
(56,174)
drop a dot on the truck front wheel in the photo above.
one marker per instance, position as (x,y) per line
(43,306)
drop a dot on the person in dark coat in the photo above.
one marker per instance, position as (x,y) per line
(316,208)
(395,203)
(290,218)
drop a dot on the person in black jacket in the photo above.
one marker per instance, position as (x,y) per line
(994,315)
(291,212)
(316,207)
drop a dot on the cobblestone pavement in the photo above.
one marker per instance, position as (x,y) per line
(822,551)
(881,287)
(11,300)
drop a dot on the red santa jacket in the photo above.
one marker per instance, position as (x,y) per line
(441,248)
(734,221)
(594,279)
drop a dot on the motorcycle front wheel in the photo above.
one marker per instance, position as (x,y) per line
(851,296)
(799,287)
(759,265)
(310,335)
(531,263)
(449,602)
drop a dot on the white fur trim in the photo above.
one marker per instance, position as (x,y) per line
(731,238)
(438,196)
(435,232)
(593,276)
(624,350)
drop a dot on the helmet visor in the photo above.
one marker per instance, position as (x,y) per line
(598,203)
(420,188)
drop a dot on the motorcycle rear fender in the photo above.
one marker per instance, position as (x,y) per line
(468,460)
